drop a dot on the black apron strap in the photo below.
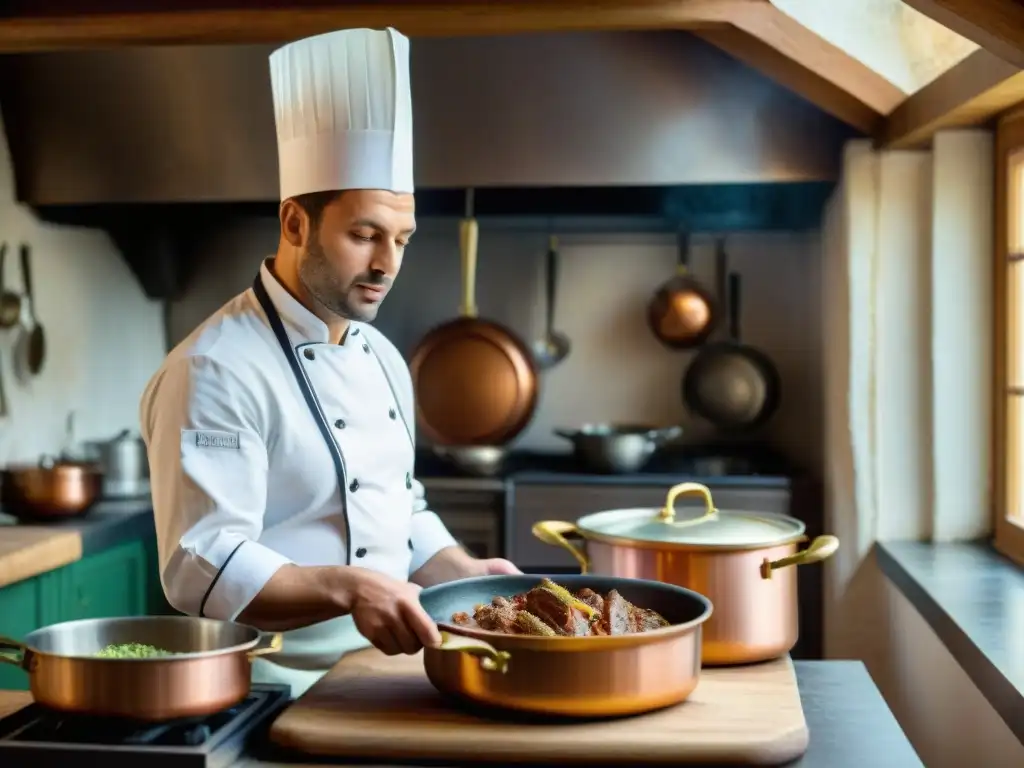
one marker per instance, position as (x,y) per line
(311,402)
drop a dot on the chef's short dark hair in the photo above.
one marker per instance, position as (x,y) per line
(314,203)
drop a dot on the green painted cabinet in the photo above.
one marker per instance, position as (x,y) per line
(114,582)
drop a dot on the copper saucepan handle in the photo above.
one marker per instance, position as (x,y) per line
(490,657)
(554,532)
(273,645)
(16,659)
(821,548)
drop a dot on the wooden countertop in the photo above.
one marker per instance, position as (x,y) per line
(851,726)
(12,701)
(28,550)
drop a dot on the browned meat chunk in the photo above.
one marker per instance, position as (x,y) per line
(462,618)
(553,610)
(499,616)
(616,616)
(645,620)
(591,598)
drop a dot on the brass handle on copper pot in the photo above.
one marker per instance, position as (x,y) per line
(554,532)
(490,657)
(822,548)
(273,646)
(20,656)
(668,512)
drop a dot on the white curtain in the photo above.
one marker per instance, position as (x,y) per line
(907,281)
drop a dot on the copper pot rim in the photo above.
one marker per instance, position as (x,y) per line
(26,468)
(176,658)
(594,644)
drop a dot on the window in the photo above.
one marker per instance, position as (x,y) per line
(1009,337)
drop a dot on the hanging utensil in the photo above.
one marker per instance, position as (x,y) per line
(554,347)
(34,341)
(475,381)
(10,302)
(3,392)
(732,385)
(682,314)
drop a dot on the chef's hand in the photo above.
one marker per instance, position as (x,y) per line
(388,613)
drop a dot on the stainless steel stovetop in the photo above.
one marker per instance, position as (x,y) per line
(34,737)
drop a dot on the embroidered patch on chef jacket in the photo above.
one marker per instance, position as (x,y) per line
(216,439)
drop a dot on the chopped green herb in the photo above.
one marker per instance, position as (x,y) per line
(131,651)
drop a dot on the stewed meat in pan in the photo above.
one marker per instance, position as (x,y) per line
(552,611)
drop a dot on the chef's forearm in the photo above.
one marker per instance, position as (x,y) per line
(299,596)
(448,564)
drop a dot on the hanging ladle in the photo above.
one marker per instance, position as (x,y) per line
(554,346)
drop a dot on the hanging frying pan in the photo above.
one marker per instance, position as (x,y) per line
(682,314)
(730,384)
(475,381)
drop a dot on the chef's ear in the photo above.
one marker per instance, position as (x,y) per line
(296,223)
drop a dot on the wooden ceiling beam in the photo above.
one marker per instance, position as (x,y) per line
(793,75)
(416,19)
(995,25)
(973,92)
(800,44)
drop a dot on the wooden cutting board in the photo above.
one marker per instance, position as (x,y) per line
(373,706)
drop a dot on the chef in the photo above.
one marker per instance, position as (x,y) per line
(281,431)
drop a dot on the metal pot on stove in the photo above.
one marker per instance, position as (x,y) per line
(742,561)
(125,465)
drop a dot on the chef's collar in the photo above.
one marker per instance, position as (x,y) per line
(303,326)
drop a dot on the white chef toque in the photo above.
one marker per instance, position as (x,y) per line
(343,110)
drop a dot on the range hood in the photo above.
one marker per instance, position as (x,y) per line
(607,109)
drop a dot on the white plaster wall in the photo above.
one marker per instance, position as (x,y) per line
(904,244)
(104,337)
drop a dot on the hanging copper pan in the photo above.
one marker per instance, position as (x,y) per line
(682,314)
(475,381)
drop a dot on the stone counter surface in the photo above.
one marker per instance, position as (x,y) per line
(850,724)
(29,550)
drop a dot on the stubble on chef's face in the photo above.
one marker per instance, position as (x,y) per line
(354,253)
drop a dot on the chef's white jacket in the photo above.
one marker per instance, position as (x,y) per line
(243,478)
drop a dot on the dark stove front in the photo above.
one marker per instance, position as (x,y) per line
(34,737)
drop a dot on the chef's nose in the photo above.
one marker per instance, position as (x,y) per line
(387,258)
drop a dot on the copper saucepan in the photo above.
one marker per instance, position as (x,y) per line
(740,560)
(51,489)
(209,670)
(570,676)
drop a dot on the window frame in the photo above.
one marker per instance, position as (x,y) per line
(1008,536)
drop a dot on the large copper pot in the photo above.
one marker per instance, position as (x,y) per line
(209,671)
(51,489)
(570,676)
(742,561)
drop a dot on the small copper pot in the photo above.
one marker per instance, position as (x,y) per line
(50,489)
(209,671)
(740,560)
(589,677)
